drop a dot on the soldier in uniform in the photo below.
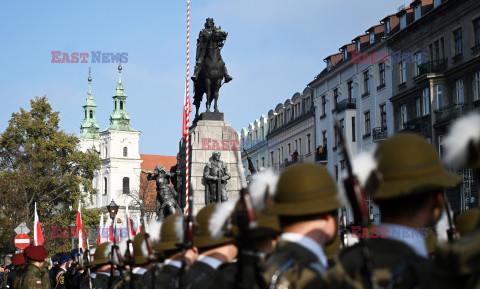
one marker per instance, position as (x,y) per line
(34,275)
(166,195)
(60,277)
(203,38)
(101,268)
(306,203)
(410,199)
(215,175)
(73,276)
(19,262)
(214,252)
(167,276)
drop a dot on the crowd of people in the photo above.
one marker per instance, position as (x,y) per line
(283,233)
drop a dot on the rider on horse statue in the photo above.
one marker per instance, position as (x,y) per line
(202,44)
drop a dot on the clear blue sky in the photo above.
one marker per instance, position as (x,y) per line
(274,48)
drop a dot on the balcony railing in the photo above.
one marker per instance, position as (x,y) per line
(436,66)
(345,104)
(420,125)
(450,112)
(321,154)
(292,160)
(379,134)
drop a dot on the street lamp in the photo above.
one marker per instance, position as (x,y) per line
(112,210)
(72,225)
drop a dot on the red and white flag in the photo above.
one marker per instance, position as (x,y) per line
(131,233)
(108,226)
(100,238)
(138,225)
(78,223)
(37,230)
(187,108)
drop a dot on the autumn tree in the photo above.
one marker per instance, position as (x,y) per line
(41,163)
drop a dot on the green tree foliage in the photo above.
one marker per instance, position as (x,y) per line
(41,163)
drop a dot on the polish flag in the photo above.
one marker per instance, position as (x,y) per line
(37,230)
(128,222)
(78,223)
(108,226)
(138,225)
(100,231)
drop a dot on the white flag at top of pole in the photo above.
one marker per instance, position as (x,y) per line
(78,223)
(37,230)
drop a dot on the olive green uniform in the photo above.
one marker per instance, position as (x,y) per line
(248,278)
(32,277)
(166,277)
(201,275)
(293,266)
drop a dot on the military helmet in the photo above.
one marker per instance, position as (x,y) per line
(268,224)
(169,235)
(203,235)
(305,189)
(409,164)
(467,221)
(140,250)
(100,257)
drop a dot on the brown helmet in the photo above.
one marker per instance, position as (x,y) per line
(409,164)
(203,235)
(169,233)
(305,189)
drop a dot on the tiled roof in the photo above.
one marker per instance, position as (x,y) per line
(148,188)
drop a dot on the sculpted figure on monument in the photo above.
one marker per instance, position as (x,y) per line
(215,176)
(166,203)
(210,69)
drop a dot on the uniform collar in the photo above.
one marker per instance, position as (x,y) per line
(212,262)
(139,270)
(414,238)
(173,263)
(307,243)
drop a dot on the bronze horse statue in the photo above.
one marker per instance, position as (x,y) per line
(211,71)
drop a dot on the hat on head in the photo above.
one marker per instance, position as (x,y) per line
(140,250)
(102,252)
(205,226)
(171,233)
(305,189)
(18,259)
(408,165)
(36,253)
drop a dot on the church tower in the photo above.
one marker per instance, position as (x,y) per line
(89,130)
(119,177)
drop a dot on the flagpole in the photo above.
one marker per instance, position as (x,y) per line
(187,109)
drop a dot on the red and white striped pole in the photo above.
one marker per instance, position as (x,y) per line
(188,109)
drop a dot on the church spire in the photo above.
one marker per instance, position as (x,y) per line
(89,128)
(119,119)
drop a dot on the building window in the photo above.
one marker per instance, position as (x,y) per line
(263,162)
(335,98)
(476,86)
(387,27)
(357,45)
(279,157)
(366,83)
(436,3)
(105,186)
(329,64)
(336,173)
(126,185)
(403,113)
(85,114)
(460,97)
(121,105)
(439,96)
(372,36)
(125,151)
(106,152)
(418,61)
(403,21)
(300,146)
(283,156)
(350,91)
(381,73)
(476,31)
(289,150)
(309,143)
(353,129)
(271,157)
(457,38)
(418,106)
(426,101)
(324,104)
(91,113)
(440,146)
(383,117)
(345,54)
(442,48)
(342,166)
(418,12)
(257,164)
(324,138)
(402,71)
(436,50)
(366,125)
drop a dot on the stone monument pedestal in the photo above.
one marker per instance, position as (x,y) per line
(211,133)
